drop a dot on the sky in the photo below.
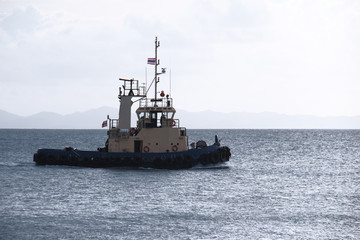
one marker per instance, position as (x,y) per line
(285,56)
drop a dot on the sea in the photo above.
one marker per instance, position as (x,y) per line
(278,184)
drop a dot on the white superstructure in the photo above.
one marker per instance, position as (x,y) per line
(157,130)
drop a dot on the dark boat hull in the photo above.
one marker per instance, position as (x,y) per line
(97,159)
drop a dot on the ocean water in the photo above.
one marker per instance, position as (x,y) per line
(279,184)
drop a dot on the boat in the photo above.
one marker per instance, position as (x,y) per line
(157,141)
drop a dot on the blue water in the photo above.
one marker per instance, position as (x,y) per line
(279,184)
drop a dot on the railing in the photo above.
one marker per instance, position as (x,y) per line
(147,123)
(161,102)
(131,85)
(119,133)
(175,123)
(114,123)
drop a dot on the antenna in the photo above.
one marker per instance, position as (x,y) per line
(170,82)
(145,77)
(157,62)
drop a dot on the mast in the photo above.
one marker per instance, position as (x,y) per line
(157,44)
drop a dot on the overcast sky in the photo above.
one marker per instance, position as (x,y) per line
(291,57)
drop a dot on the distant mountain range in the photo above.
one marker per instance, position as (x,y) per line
(92,119)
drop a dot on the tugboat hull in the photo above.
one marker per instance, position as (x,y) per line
(168,160)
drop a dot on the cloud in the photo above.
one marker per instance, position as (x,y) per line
(230,55)
(21,21)
(53,49)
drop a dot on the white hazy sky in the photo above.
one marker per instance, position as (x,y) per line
(285,56)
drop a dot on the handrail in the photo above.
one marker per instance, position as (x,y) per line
(174,123)
(150,102)
(131,87)
(114,123)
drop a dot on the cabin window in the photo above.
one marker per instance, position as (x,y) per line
(153,115)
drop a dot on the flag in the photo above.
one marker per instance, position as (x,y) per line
(152,61)
(104,124)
